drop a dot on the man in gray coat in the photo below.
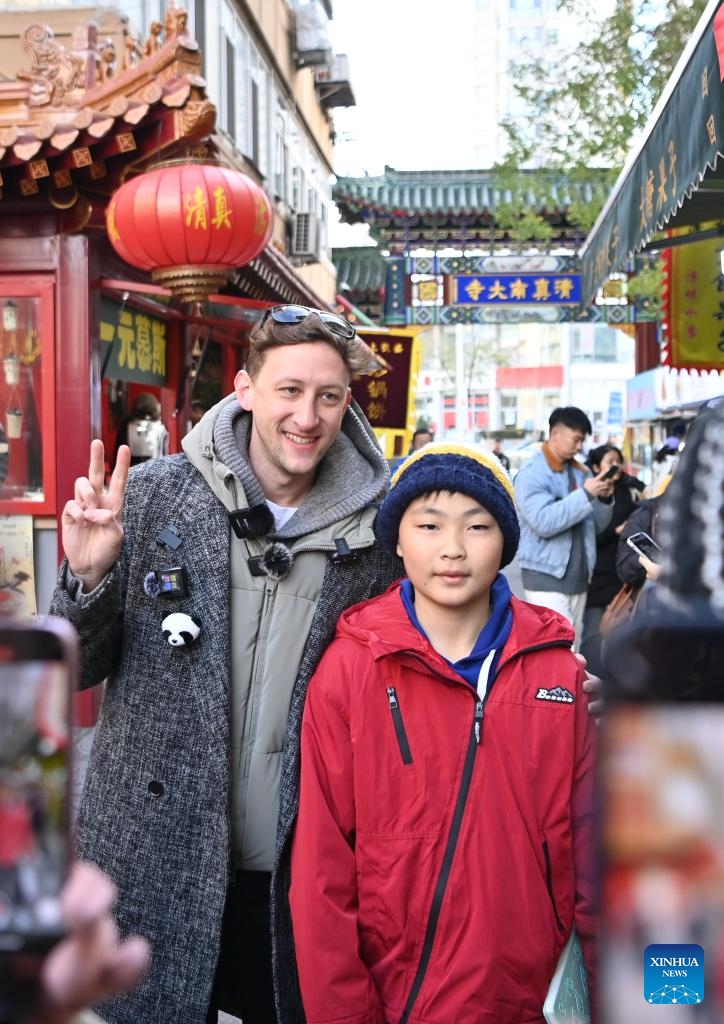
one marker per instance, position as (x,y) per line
(205,587)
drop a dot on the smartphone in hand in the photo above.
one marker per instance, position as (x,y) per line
(611,471)
(38,673)
(662,815)
(644,545)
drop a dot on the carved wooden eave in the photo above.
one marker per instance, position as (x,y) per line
(73,126)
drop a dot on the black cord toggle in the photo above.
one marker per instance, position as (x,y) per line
(257,521)
(344,554)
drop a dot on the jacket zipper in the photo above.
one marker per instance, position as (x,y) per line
(549,885)
(447,860)
(402,740)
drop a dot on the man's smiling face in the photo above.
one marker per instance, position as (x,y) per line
(297,400)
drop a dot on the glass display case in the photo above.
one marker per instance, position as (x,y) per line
(27,395)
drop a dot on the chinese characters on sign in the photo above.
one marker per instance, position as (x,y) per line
(695,306)
(139,344)
(383,396)
(684,142)
(514,289)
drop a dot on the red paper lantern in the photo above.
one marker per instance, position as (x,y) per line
(191,224)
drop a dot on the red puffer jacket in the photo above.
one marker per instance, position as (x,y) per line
(435,876)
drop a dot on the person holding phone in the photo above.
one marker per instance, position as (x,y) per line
(674,647)
(629,566)
(562,508)
(606,461)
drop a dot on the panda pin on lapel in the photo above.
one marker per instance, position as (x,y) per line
(180,629)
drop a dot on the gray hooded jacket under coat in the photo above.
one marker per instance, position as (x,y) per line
(155,808)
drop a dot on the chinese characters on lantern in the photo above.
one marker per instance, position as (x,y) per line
(196,209)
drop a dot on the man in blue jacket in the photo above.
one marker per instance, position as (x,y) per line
(562,508)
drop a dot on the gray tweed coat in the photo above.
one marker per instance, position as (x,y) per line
(155,809)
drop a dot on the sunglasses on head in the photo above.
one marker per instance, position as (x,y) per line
(292,314)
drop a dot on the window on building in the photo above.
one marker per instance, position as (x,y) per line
(198,27)
(228,74)
(281,155)
(254,125)
(509,410)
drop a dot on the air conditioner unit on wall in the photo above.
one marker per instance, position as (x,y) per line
(306,237)
(313,46)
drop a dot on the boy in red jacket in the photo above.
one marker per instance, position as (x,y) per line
(444,846)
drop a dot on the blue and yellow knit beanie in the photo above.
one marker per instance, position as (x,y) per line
(451,467)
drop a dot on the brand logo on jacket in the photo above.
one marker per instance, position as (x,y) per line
(557,694)
(674,973)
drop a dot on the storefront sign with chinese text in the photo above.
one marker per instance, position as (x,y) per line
(138,344)
(514,289)
(384,395)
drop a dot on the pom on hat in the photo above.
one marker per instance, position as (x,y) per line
(456,468)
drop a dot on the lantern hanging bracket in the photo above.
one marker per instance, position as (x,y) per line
(192,365)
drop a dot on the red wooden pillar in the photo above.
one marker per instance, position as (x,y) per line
(78,399)
(646,352)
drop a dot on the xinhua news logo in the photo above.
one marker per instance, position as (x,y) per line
(674,973)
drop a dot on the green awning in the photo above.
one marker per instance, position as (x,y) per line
(675,177)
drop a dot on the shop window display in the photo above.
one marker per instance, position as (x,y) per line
(27,429)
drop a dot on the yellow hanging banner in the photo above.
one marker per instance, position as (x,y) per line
(695,306)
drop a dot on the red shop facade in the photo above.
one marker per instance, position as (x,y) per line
(81,331)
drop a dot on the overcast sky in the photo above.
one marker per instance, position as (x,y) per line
(409,67)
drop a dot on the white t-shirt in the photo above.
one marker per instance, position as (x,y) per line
(282,514)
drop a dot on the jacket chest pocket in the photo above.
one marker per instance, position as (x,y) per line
(398,723)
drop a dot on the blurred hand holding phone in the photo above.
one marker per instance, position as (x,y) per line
(662,771)
(645,545)
(611,471)
(38,673)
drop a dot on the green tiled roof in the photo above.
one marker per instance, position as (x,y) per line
(462,193)
(361,268)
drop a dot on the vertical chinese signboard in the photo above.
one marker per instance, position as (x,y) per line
(387,397)
(694,308)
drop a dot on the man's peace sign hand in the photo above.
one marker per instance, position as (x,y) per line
(92,520)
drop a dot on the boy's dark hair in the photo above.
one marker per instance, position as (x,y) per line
(572,417)
(357,356)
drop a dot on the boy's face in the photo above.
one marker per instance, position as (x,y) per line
(452,549)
